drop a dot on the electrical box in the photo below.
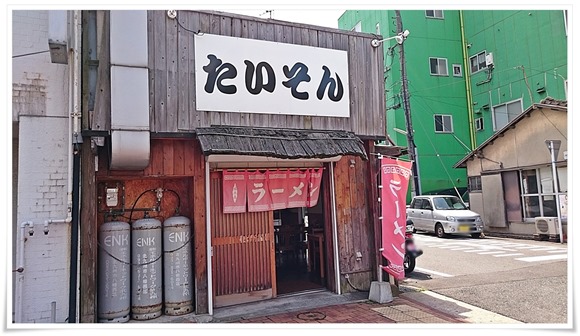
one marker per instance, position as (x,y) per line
(112,197)
(489,59)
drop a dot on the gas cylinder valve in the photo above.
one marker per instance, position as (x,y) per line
(159,192)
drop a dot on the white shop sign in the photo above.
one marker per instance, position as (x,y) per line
(244,75)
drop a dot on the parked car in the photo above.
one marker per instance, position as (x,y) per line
(443,215)
(459,191)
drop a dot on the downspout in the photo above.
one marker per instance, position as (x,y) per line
(334,229)
(20,269)
(208,239)
(467,83)
(75,64)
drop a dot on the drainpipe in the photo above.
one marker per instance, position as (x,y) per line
(467,83)
(74,70)
(20,269)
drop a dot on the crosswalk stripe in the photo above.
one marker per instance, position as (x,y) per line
(508,255)
(542,258)
(433,272)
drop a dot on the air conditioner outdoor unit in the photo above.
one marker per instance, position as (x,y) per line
(547,225)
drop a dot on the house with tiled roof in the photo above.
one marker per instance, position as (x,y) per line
(511,175)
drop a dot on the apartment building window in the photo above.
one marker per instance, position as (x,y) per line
(434,14)
(438,66)
(457,71)
(479,124)
(504,113)
(357,27)
(538,194)
(474,183)
(443,123)
(477,62)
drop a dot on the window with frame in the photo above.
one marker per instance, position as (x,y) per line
(438,66)
(357,27)
(443,123)
(538,194)
(504,113)
(479,124)
(434,14)
(457,71)
(477,62)
(474,183)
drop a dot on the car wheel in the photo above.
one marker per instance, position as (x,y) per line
(476,235)
(439,231)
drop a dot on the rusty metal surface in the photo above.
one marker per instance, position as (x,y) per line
(242,247)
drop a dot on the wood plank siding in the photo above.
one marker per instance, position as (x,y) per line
(175,164)
(172,74)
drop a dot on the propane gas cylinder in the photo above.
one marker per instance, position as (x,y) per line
(114,300)
(146,269)
(177,266)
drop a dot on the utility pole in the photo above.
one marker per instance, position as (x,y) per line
(416,187)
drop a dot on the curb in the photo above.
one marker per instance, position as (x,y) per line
(457,310)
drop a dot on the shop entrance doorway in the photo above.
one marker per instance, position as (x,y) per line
(300,253)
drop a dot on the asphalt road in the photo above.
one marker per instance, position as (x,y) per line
(525,280)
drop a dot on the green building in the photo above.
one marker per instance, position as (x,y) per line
(469,73)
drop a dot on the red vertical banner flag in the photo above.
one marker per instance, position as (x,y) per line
(297,188)
(258,192)
(278,188)
(314,186)
(234,191)
(395,176)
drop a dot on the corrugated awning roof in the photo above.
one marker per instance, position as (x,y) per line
(279,143)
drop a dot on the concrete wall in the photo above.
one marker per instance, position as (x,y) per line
(40,110)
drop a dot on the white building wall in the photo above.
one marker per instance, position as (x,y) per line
(40,107)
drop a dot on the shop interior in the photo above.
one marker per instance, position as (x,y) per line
(299,243)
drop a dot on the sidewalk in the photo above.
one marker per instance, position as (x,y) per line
(400,310)
(410,306)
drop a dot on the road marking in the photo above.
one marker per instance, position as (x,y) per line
(488,252)
(508,255)
(472,251)
(558,251)
(542,258)
(542,249)
(434,272)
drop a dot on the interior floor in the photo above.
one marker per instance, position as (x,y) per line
(293,275)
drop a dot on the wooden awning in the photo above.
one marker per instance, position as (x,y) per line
(279,143)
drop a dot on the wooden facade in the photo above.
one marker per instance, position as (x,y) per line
(172,74)
(177,162)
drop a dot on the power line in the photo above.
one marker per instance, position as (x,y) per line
(30,54)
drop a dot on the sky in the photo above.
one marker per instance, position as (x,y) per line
(320,17)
